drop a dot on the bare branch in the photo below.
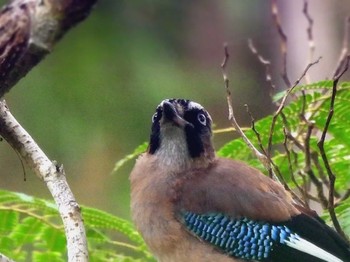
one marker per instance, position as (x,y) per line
(266,63)
(291,171)
(310,37)
(262,158)
(283,43)
(275,172)
(54,178)
(4,258)
(30,29)
(331,176)
(343,198)
(321,174)
(252,121)
(282,105)
(308,170)
(305,189)
(228,129)
(345,49)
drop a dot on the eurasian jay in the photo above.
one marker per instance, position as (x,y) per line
(190,205)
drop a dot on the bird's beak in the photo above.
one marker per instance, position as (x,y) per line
(171,114)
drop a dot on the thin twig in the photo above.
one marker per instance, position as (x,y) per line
(319,168)
(277,175)
(291,171)
(345,49)
(343,198)
(280,108)
(303,108)
(261,157)
(266,63)
(338,74)
(294,140)
(22,164)
(310,37)
(287,135)
(283,41)
(308,170)
(282,105)
(312,157)
(228,129)
(252,121)
(307,190)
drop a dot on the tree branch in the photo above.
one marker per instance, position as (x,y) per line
(345,49)
(262,158)
(30,29)
(4,258)
(283,42)
(266,63)
(282,105)
(53,176)
(342,68)
(310,37)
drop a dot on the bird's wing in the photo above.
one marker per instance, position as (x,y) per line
(247,215)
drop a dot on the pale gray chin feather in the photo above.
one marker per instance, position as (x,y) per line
(173,150)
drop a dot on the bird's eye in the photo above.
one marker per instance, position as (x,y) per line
(154,117)
(202,119)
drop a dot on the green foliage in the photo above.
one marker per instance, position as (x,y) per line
(140,149)
(343,213)
(315,106)
(31,229)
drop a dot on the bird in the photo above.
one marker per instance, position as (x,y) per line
(191,205)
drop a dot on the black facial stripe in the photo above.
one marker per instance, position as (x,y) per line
(154,138)
(194,143)
(194,134)
(155,133)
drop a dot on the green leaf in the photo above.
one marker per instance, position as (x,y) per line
(27,231)
(139,150)
(53,239)
(47,256)
(102,220)
(316,105)
(32,224)
(343,215)
(8,221)
(317,86)
(110,255)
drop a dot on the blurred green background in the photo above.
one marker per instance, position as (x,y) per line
(90,102)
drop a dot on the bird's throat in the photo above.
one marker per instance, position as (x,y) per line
(173,152)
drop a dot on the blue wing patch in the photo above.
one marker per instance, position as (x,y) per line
(241,238)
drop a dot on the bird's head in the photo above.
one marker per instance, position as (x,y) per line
(181,132)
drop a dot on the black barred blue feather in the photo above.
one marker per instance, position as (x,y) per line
(241,238)
(254,240)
